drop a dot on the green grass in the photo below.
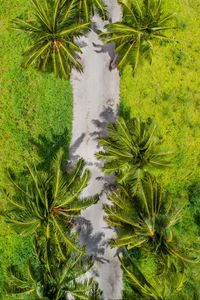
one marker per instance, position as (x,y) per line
(168,92)
(35,119)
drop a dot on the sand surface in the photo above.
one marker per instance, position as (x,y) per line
(96,99)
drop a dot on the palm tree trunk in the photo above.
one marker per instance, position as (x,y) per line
(96,99)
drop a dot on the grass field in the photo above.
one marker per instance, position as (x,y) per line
(168,92)
(35,119)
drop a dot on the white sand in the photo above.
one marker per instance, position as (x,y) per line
(94,91)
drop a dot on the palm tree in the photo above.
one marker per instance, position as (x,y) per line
(145,219)
(131,150)
(48,203)
(52,33)
(165,286)
(86,9)
(49,277)
(143,24)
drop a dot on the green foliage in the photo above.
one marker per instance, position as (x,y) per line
(146,219)
(52,32)
(167,92)
(86,9)
(35,120)
(48,202)
(51,277)
(143,24)
(132,150)
(14,250)
(165,286)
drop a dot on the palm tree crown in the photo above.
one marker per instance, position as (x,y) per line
(131,149)
(48,203)
(52,34)
(166,285)
(144,219)
(143,22)
(51,278)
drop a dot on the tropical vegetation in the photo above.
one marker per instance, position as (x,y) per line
(157,228)
(35,121)
(53,31)
(145,219)
(144,216)
(167,92)
(168,284)
(51,277)
(48,202)
(131,150)
(87,8)
(143,24)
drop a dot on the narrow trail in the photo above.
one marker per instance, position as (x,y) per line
(96,99)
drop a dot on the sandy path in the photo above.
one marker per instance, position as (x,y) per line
(96,98)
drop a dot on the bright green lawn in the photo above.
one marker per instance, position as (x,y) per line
(168,92)
(35,115)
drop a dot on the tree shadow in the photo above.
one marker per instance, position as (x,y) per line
(107,116)
(94,242)
(110,49)
(47,147)
(124,111)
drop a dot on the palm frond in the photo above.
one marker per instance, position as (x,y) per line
(52,33)
(46,204)
(135,35)
(131,150)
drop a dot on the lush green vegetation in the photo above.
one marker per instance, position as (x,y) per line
(35,120)
(150,220)
(132,150)
(52,32)
(143,24)
(49,277)
(47,202)
(167,92)
(44,205)
(158,228)
(87,8)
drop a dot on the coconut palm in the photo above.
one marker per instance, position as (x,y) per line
(145,219)
(52,31)
(49,277)
(87,8)
(131,150)
(164,287)
(143,24)
(48,202)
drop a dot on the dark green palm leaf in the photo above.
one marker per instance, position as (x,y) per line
(48,202)
(49,277)
(142,24)
(166,285)
(52,34)
(131,150)
(146,219)
(87,9)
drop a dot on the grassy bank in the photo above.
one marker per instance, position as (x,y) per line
(35,119)
(168,92)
